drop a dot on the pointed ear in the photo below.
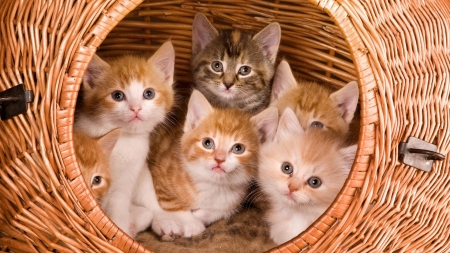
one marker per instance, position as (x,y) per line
(203,32)
(269,40)
(164,61)
(198,109)
(266,123)
(288,124)
(283,80)
(348,155)
(346,100)
(108,141)
(94,71)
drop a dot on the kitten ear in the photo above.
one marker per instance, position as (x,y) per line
(348,155)
(346,100)
(269,40)
(288,124)
(108,141)
(203,32)
(266,123)
(283,80)
(198,109)
(164,61)
(94,71)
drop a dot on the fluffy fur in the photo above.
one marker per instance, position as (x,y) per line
(93,157)
(315,105)
(291,165)
(205,172)
(233,68)
(134,94)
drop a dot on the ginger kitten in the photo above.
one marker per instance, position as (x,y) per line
(301,173)
(207,171)
(134,94)
(315,105)
(234,68)
(93,157)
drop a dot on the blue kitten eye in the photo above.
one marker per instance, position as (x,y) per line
(96,180)
(217,66)
(118,95)
(287,168)
(149,94)
(208,143)
(244,70)
(238,148)
(317,124)
(314,182)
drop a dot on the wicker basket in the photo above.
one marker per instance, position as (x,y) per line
(399,51)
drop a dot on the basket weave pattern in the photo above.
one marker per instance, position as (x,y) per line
(399,51)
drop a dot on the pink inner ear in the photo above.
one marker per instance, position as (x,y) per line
(202,33)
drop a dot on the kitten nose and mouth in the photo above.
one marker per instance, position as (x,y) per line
(136,110)
(294,185)
(219,157)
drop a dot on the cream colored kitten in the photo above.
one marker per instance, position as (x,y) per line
(93,157)
(301,173)
(209,170)
(315,105)
(132,93)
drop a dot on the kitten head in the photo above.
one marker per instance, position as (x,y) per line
(315,105)
(303,169)
(93,157)
(232,68)
(130,92)
(222,145)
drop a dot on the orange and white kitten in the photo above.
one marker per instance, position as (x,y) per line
(93,157)
(301,172)
(208,171)
(315,105)
(132,93)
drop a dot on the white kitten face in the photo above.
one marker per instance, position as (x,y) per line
(291,180)
(303,168)
(134,108)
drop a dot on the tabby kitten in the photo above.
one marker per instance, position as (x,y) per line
(301,173)
(232,68)
(93,157)
(209,170)
(315,105)
(132,93)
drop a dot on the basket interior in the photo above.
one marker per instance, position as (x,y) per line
(311,42)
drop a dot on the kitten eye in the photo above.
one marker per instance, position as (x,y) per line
(317,124)
(238,148)
(118,95)
(217,66)
(96,180)
(287,168)
(244,70)
(208,143)
(314,182)
(149,94)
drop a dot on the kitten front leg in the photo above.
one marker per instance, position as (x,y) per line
(141,219)
(208,216)
(117,206)
(172,224)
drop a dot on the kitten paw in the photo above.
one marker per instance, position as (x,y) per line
(166,223)
(193,228)
(132,230)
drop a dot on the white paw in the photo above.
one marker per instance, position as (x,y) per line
(166,223)
(193,227)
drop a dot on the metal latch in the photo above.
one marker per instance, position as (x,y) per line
(419,154)
(13,101)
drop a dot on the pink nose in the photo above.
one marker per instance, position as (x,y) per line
(219,157)
(294,184)
(135,109)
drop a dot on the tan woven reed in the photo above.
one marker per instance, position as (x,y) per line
(399,51)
